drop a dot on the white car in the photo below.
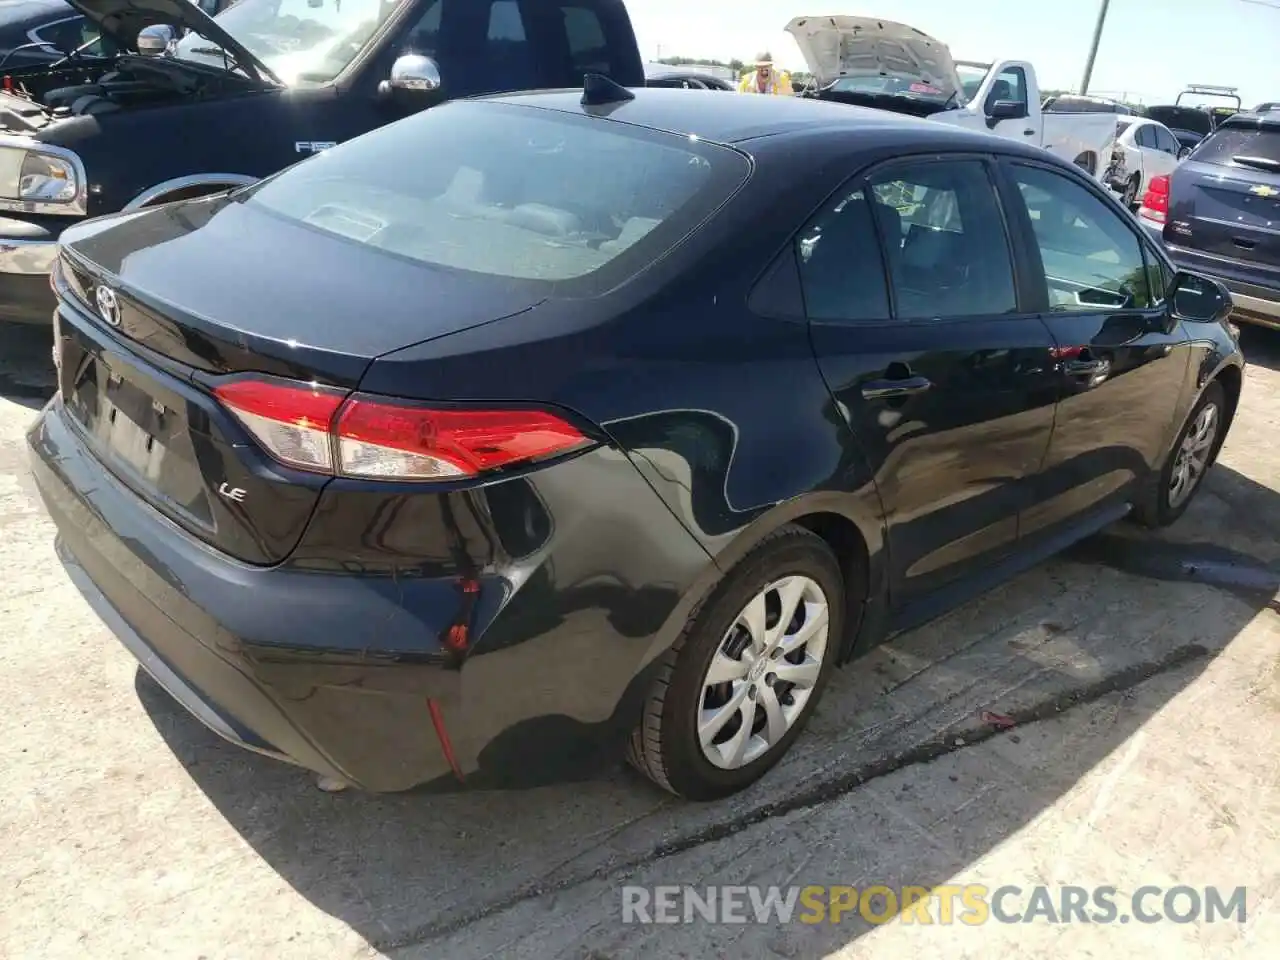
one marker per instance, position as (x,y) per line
(1144,149)
(892,66)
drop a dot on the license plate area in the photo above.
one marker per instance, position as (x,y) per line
(139,429)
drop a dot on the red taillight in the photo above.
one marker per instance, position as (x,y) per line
(291,422)
(378,439)
(320,429)
(1155,202)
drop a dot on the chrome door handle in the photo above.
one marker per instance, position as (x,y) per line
(888,389)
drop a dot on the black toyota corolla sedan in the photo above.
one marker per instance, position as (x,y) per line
(534,430)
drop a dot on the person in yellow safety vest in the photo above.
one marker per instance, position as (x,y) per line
(765,79)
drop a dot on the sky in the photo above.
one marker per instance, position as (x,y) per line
(1150,49)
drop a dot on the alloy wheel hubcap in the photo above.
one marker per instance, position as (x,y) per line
(763,673)
(1193,456)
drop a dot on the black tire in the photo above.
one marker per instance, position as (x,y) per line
(1153,508)
(664,746)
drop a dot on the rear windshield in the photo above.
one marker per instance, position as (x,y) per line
(1239,141)
(510,191)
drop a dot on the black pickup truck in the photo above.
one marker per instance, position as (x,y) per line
(202,104)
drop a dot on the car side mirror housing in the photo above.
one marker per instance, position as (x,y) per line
(1199,299)
(154,40)
(1005,110)
(415,78)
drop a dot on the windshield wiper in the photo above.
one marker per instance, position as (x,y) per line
(1261,163)
(231,63)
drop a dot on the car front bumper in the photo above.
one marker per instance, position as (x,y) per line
(346,675)
(27,252)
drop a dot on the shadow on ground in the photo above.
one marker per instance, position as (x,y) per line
(1260,346)
(1125,607)
(26,364)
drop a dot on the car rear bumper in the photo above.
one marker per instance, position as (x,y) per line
(1255,289)
(316,667)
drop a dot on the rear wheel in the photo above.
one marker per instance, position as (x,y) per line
(1170,493)
(736,689)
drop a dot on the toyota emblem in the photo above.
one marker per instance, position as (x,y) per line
(108,306)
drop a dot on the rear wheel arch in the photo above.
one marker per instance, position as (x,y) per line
(855,536)
(188,187)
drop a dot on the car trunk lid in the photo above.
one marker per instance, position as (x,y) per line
(138,363)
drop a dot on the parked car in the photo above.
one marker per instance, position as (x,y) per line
(1189,125)
(96,136)
(1267,107)
(40,31)
(1003,98)
(648,435)
(1144,149)
(665,75)
(1217,213)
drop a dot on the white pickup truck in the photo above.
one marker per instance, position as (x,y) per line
(891,66)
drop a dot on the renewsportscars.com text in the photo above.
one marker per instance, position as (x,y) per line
(968,904)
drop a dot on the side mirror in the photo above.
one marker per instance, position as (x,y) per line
(154,40)
(1005,110)
(413,77)
(1199,299)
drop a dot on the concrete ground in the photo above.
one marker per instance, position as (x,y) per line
(1143,674)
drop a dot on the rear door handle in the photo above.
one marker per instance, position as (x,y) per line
(898,387)
(1028,133)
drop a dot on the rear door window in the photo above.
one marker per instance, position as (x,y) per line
(944,239)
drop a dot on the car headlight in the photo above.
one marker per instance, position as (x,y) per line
(47,178)
(29,175)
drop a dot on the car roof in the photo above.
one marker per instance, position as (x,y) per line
(1269,120)
(738,120)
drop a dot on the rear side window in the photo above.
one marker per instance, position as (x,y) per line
(944,239)
(510,191)
(841,269)
(1225,143)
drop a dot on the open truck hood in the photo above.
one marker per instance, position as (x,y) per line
(835,47)
(123,20)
